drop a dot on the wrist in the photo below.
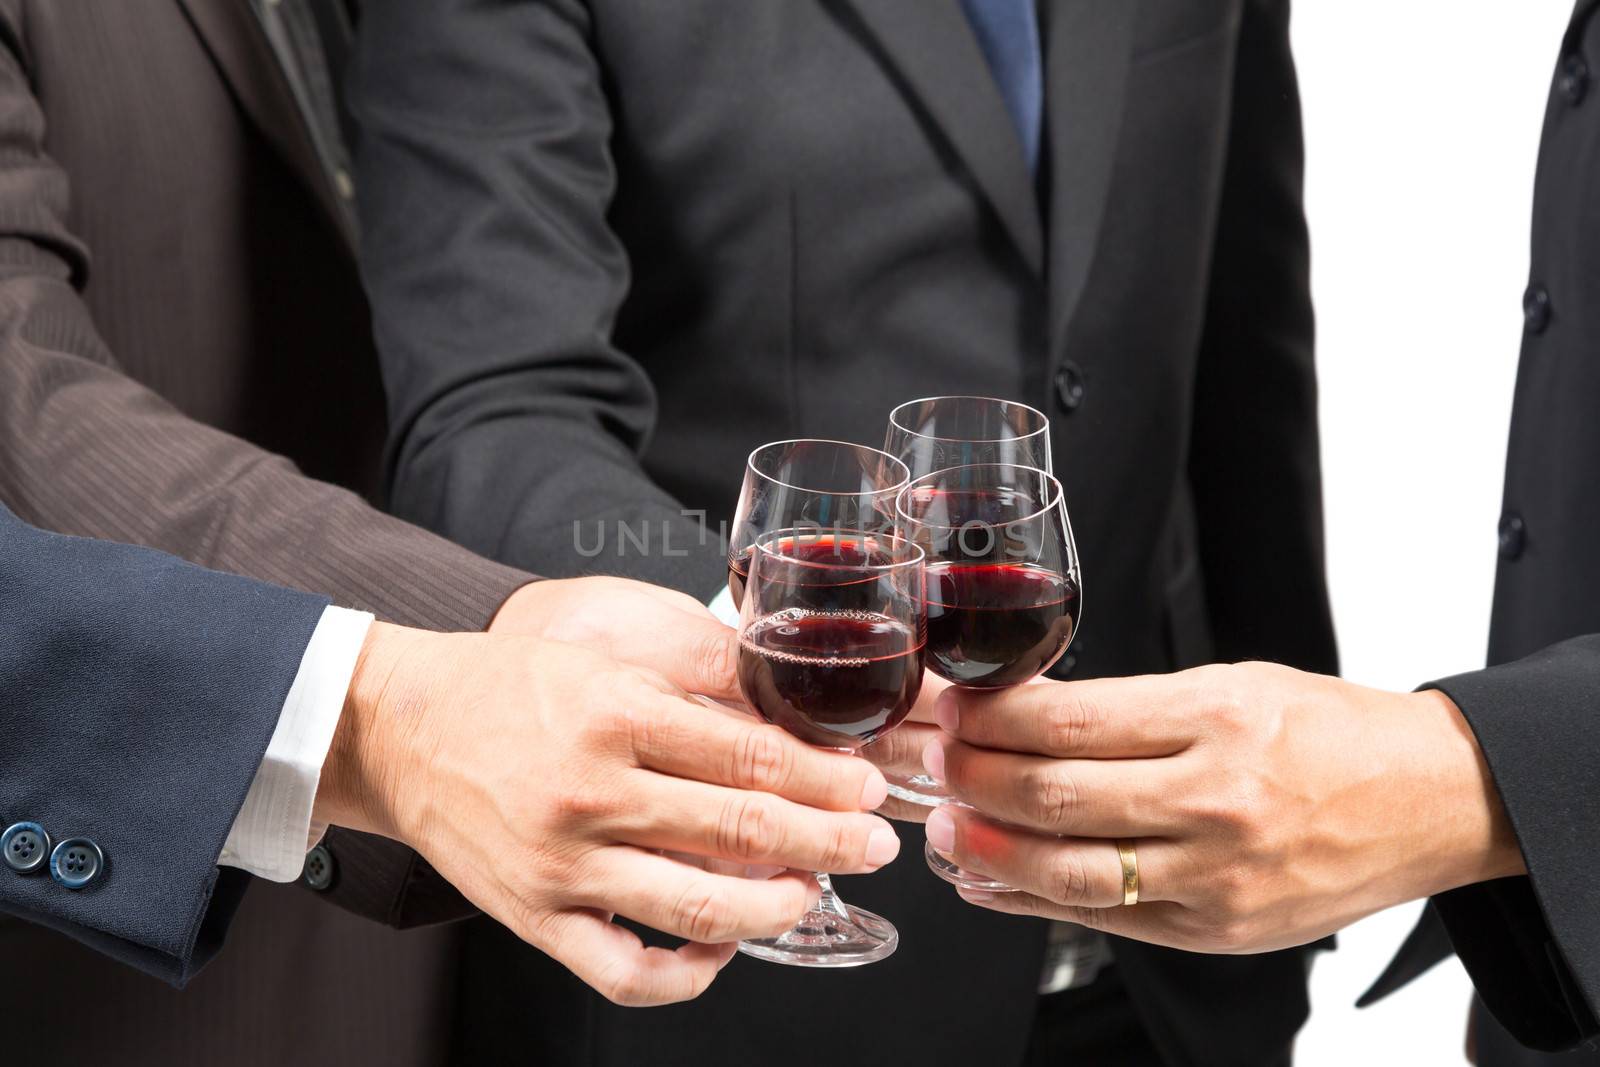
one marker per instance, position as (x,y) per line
(1472,836)
(381,721)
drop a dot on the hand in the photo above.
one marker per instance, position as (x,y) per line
(633,622)
(899,752)
(544,781)
(1268,807)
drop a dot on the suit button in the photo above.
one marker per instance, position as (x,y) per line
(1574,80)
(26,847)
(319,869)
(76,862)
(1069,386)
(1536,309)
(1513,536)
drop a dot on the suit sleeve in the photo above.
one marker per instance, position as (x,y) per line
(141,692)
(495,279)
(1254,464)
(85,450)
(1532,944)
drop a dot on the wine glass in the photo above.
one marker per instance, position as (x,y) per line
(1004,585)
(830,649)
(936,433)
(811,486)
(940,432)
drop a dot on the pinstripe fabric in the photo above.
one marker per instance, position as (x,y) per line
(176,391)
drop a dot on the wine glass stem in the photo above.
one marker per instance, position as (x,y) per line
(830,901)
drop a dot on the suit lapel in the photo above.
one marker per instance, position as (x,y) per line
(241,51)
(1088,45)
(933,49)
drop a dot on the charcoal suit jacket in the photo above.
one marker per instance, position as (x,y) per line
(613,245)
(185,364)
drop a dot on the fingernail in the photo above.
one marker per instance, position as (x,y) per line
(875,792)
(974,896)
(941,831)
(813,895)
(946,712)
(732,951)
(933,758)
(762,871)
(882,847)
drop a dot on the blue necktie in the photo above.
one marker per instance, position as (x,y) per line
(1008,33)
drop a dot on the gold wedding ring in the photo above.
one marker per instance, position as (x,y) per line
(1130,873)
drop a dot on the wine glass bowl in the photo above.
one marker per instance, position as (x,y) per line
(1003,593)
(831,650)
(940,432)
(811,486)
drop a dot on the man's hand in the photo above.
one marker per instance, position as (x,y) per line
(1268,807)
(545,782)
(634,622)
(898,753)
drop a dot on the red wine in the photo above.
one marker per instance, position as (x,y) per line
(997,624)
(834,678)
(812,548)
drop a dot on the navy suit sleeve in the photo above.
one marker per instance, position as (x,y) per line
(139,694)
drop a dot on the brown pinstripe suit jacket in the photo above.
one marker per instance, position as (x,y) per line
(184,348)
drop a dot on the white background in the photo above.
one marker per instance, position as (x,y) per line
(1422,127)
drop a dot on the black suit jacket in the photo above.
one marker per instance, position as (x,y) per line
(140,694)
(613,245)
(1532,944)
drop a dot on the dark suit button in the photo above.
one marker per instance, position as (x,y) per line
(1513,535)
(319,869)
(1536,309)
(76,862)
(26,847)
(1069,386)
(1574,80)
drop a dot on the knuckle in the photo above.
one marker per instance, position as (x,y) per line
(1230,895)
(761,760)
(1068,879)
(1072,726)
(532,924)
(717,659)
(578,803)
(1227,707)
(612,720)
(623,985)
(702,915)
(637,728)
(1224,933)
(749,829)
(1053,797)
(846,847)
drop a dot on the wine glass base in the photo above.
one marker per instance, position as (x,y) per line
(953,874)
(917,789)
(825,938)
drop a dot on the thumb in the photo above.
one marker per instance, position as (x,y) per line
(697,654)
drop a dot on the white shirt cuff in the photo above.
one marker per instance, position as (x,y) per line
(723,607)
(273,831)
